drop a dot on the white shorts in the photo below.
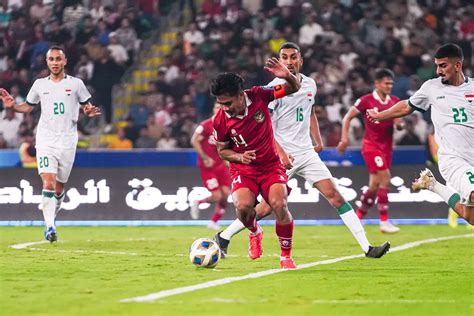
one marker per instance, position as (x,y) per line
(459,174)
(309,166)
(57,161)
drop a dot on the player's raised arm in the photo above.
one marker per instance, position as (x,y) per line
(9,103)
(400,109)
(346,123)
(278,69)
(91,110)
(196,140)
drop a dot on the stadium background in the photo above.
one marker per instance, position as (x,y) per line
(148,64)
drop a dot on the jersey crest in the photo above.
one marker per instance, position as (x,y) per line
(259,116)
(469,97)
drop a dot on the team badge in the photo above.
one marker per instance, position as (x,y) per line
(233,132)
(68,91)
(469,97)
(259,116)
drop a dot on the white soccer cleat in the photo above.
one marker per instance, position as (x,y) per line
(213,225)
(388,228)
(194,209)
(425,181)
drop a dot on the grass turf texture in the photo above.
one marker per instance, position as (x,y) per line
(77,276)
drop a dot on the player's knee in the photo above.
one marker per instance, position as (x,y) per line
(278,205)
(335,198)
(243,206)
(48,185)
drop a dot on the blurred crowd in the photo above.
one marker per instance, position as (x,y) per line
(342,43)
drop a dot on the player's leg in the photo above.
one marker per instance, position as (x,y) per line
(59,195)
(344,209)
(48,168)
(367,199)
(220,196)
(275,191)
(65,163)
(212,185)
(384,177)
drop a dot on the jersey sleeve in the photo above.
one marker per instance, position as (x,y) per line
(266,93)
(82,93)
(33,97)
(199,130)
(420,101)
(361,104)
(220,134)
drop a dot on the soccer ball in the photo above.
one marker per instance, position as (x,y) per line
(204,252)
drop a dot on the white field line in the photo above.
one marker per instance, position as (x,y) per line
(351,302)
(166,293)
(27,245)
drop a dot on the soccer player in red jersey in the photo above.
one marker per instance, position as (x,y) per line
(376,146)
(244,137)
(214,172)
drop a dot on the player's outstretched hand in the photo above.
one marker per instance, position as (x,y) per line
(342,146)
(91,110)
(247,157)
(7,99)
(373,115)
(287,161)
(277,68)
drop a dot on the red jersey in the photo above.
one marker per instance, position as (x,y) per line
(249,131)
(377,135)
(208,143)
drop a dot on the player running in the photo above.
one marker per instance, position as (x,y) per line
(214,172)
(451,98)
(244,137)
(61,96)
(376,147)
(294,124)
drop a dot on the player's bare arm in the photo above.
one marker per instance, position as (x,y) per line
(229,155)
(315,132)
(286,159)
(278,69)
(346,123)
(9,103)
(91,110)
(196,140)
(400,109)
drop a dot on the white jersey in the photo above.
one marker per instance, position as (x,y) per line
(452,113)
(60,103)
(290,117)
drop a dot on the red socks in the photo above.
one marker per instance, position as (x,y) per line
(382,202)
(285,237)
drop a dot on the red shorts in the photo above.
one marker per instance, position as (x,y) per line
(260,182)
(376,160)
(215,177)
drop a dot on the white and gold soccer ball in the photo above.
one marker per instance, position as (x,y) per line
(204,252)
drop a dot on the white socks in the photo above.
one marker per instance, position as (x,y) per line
(352,222)
(49,208)
(233,229)
(59,199)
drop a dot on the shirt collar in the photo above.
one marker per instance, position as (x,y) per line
(248,103)
(377,97)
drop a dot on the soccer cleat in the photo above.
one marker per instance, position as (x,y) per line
(287,263)
(222,243)
(194,209)
(255,245)
(50,234)
(452,218)
(388,228)
(426,181)
(213,225)
(379,251)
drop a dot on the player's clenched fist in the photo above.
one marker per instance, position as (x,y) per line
(91,110)
(372,115)
(247,157)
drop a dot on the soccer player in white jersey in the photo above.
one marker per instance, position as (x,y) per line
(294,125)
(451,98)
(61,96)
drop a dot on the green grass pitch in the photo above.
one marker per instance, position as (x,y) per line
(91,269)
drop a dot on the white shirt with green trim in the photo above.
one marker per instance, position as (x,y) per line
(291,116)
(60,104)
(452,113)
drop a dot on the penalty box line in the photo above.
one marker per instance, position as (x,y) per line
(180,290)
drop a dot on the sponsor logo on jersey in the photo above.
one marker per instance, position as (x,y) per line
(440,97)
(469,97)
(259,116)
(45,93)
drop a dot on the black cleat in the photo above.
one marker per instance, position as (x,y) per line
(379,251)
(222,243)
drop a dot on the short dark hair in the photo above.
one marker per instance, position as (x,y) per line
(57,47)
(449,50)
(227,83)
(290,45)
(381,73)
